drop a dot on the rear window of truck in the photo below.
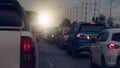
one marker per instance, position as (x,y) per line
(9,16)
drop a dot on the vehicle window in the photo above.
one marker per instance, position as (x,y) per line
(116,37)
(103,37)
(76,27)
(10,16)
(91,28)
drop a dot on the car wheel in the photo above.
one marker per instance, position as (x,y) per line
(74,53)
(118,63)
(69,52)
(103,63)
(91,62)
(61,47)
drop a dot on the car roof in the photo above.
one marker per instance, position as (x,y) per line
(81,23)
(7,1)
(113,30)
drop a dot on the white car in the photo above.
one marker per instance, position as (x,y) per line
(105,51)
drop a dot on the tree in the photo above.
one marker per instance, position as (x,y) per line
(66,22)
(101,18)
(31,15)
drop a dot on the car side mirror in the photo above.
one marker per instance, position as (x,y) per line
(93,40)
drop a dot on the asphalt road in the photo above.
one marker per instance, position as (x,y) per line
(50,56)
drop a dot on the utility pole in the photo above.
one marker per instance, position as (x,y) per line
(99,7)
(95,8)
(70,15)
(110,9)
(82,11)
(110,19)
(86,11)
(77,14)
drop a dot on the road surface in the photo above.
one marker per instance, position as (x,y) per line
(52,57)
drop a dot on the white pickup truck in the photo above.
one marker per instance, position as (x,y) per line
(18,49)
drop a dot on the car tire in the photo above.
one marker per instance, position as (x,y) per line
(61,47)
(103,63)
(118,63)
(93,65)
(69,52)
(74,53)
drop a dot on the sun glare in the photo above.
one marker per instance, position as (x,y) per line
(45,19)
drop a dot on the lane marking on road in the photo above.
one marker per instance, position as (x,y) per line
(50,63)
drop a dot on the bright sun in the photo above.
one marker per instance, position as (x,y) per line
(45,19)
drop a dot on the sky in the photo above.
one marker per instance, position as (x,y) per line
(103,7)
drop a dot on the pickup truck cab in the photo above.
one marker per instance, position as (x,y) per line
(18,49)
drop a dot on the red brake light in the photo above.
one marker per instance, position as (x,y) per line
(27,56)
(26,44)
(113,46)
(35,37)
(92,23)
(78,35)
(53,36)
(26,47)
(88,37)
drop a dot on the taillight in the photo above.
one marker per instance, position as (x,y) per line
(27,56)
(35,37)
(113,46)
(92,23)
(78,35)
(81,36)
(88,37)
(64,37)
(53,36)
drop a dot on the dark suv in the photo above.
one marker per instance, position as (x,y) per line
(80,39)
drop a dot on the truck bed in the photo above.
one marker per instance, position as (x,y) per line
(9,49)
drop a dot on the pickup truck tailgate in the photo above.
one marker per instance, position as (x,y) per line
(9,49)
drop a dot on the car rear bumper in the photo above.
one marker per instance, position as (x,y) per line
(84,48)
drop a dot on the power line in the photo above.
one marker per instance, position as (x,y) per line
(118,5)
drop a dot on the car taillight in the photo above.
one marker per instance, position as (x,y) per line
(27,56)
(64,37)
(88,37)
(53,36)
(80,36)
(92,23)
(113,46)
(35,37)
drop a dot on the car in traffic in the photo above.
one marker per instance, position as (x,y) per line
(54,35)
(80,39)
(66,31)
(18,49)
(36,32)
(105,50)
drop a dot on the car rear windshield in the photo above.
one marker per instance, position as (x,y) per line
(91,28)
(9,16)
(116,37)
